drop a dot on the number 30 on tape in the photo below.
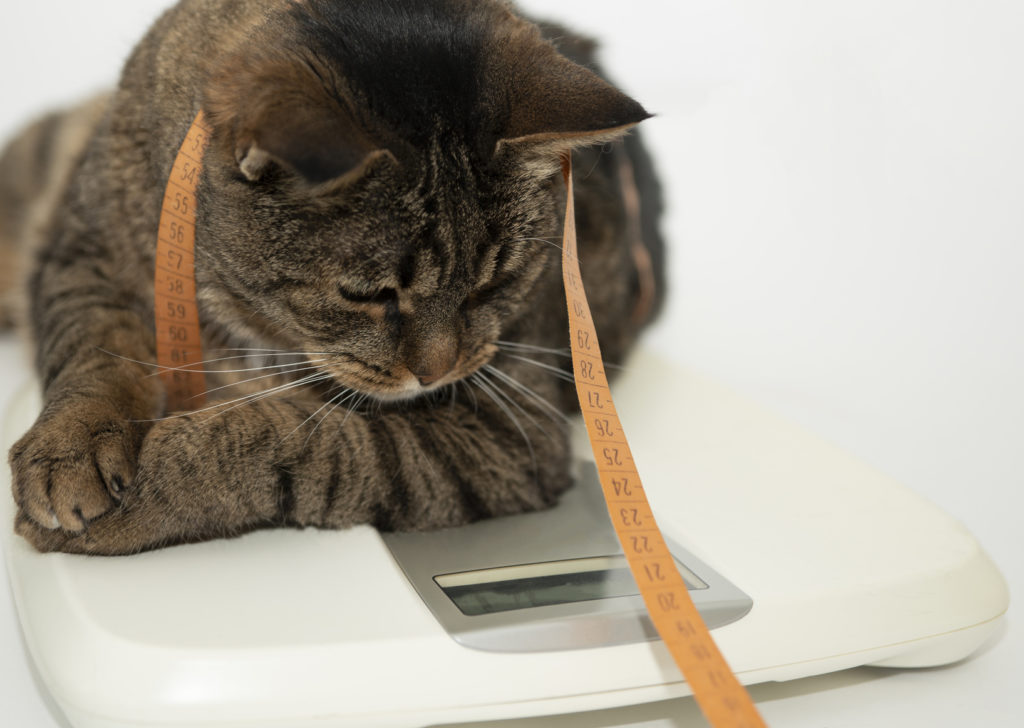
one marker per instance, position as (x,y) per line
(724,701)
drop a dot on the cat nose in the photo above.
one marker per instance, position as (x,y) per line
(431,364)
(427,375)
(430,377)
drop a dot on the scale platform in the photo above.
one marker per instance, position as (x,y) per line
(806,560)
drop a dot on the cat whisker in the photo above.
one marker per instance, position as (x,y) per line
(517,346)
(312,367)
(324,406)
(251,350)
(553,241)
(471,393)
(485,385)
(352,394)
(336,401)
(560,373)
(511,400)
(300,366)
(159,367)
(556,245)
(283,367)
(248,398)
(360,401)
(276,352)
(529,393)
(258,396)
(192,367)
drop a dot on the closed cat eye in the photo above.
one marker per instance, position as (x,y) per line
(499,274)
(382,297)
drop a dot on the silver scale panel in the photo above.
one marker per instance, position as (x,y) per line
(504,566)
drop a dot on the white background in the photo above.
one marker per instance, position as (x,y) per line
(845,184)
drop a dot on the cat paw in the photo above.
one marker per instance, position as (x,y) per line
(73,466)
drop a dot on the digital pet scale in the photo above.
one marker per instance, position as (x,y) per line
(802,559)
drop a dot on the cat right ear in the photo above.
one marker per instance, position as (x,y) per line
(555,104)
(277,111)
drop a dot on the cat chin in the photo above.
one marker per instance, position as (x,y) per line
(407,393)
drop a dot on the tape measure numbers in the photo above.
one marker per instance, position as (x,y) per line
(179,347)
(724,701)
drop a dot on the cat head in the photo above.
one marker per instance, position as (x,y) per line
(382,181)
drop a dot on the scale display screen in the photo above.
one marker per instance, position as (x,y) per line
(506,588)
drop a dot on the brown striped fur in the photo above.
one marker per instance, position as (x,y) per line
(379,213)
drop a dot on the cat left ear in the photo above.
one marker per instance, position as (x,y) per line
(558,104)
(277,111)
(313,143)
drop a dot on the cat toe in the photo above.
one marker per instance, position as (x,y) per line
(42,514)
(115,465)
(42,539)
(78,496)
(31,488)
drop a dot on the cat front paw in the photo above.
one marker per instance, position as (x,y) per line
(74,465)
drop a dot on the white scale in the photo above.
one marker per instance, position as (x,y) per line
(802,559)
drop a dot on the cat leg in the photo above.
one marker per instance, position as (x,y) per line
(83,301)
(287,463)
(76,460)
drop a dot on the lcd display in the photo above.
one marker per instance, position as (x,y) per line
(507,588)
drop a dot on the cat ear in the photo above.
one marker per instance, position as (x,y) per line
(316,144)
(558,104)
(277,111)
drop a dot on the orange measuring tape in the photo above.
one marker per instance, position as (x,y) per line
(724,701)
(179,348)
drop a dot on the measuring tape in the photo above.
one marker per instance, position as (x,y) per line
(724,701)
(179,348)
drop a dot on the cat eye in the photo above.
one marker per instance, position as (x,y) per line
(382,297)
(500,274)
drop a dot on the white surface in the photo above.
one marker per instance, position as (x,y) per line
(845,568)
(845,182)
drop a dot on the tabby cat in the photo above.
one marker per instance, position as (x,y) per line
(376,261)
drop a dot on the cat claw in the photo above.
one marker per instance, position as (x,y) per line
(52,523)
